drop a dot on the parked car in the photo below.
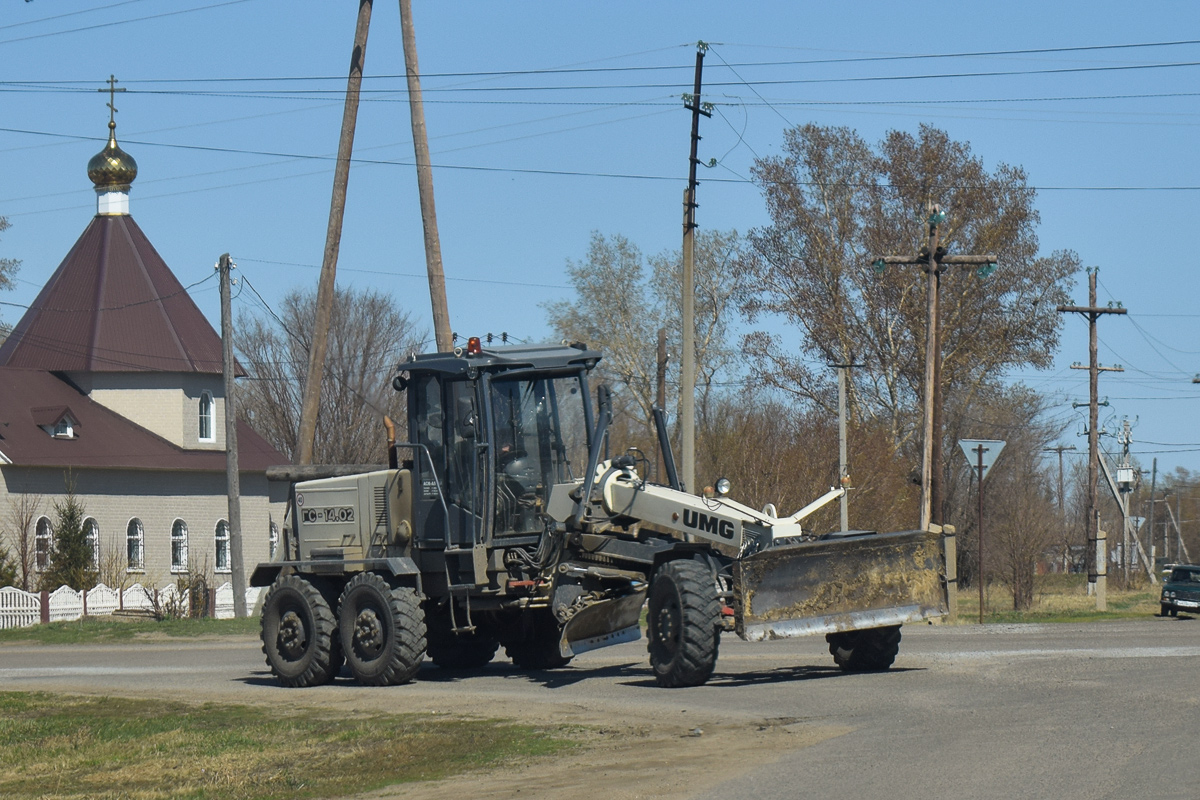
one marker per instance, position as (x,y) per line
(1181,590)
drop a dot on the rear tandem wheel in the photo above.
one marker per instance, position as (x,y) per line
(299,633)
(382,630)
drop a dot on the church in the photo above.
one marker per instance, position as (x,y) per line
(113,380)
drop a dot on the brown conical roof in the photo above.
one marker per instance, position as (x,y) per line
(113,305)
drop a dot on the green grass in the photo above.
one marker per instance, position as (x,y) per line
(61,747)
(93,630)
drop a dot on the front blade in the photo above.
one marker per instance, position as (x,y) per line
(843,584)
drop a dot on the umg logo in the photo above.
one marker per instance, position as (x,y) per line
(698,520)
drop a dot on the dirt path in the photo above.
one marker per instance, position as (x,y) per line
(624,760)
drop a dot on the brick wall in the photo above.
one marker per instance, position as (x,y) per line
(114,497)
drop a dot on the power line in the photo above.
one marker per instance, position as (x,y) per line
(405,274)
(67,14)
(570,70)
(121,22)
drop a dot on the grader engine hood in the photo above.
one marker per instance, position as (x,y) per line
(840,584)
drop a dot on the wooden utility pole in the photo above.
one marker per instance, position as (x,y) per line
(433,244)
(233,486)
(660,396)
(933,260)
(1062,508)
(1092,312)
(843,465)
(333,239)
(687,360)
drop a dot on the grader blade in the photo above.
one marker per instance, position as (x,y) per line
(840,584)
(608,621)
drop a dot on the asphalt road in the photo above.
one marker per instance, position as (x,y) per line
(1105,710)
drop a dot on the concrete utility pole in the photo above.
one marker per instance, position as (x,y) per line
(933,260)
(687,361)
(233,486)
(1150,521)
(843,466)
(1092,312)
(333,239)
(433,244)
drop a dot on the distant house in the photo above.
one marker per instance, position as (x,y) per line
(114,374)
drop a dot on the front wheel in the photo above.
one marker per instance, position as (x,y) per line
(299,634)
(684,624)
(383,630)
(872,650)
(1165,611)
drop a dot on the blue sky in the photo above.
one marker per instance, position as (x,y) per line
(528,165)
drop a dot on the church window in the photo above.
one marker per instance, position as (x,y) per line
(91,531)
(43,543)
(135,543)
(179,546)
(206,418)
(222,546)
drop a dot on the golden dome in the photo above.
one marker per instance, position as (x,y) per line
(112,166)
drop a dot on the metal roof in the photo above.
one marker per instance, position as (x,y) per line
(504,359)
(113,305)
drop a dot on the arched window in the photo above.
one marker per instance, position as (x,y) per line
(272,541)
(206,418)
(43,543)
(222,546)
(179,546)
(135,546)
(91,531)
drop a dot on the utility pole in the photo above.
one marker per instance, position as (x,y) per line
(233,486)
(1062,508)
(433,244)
(687,361)
(333,239)
(843,467)
(1150,520)
(660,395)
(1092,312)
(932,259)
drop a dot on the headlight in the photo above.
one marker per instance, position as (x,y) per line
(722,486)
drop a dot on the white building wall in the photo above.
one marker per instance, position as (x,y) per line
(113,497)
(166,403)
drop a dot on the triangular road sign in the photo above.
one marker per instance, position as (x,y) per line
(991,449)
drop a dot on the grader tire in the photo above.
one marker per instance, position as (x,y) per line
(383,630)
(299,634)
(684,624)
(872,650)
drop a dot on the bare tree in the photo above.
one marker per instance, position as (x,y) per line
(369,334)
(8,270)
(23,509)
(836,203)
(620,305)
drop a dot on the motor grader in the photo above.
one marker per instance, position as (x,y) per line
(505,521)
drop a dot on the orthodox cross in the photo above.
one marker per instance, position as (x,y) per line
(112,90)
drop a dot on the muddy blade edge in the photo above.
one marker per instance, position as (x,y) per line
(840,584)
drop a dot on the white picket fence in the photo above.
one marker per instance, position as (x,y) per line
(20,609)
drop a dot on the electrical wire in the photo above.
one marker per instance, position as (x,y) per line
(122,22)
